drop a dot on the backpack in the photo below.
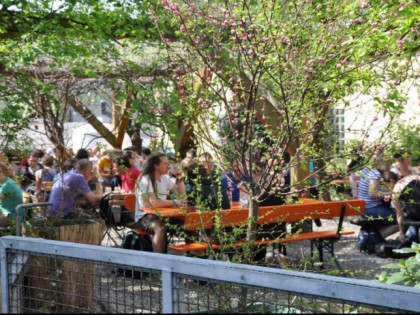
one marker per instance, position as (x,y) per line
(386,250)
(135,241)
(367,239)
(410,197)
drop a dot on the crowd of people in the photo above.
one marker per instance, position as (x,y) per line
(84,180)
(78,183)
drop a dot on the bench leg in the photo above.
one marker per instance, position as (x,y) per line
(329,246)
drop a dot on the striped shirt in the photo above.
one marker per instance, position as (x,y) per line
(367,176)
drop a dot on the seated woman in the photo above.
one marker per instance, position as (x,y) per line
(372,190)
(10,197)
(128,174)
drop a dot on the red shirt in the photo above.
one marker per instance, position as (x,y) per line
(129,178)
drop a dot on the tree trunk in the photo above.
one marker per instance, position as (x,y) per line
(252,229)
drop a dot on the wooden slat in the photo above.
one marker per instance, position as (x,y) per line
(130,202)
(199,221)
(292,238)
(189,247)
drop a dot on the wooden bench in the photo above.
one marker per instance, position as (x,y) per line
(280,215)
(130,205)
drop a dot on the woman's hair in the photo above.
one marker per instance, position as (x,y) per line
(149,167)
(48,160)
(146,151)
(382,165)
(401,154)
(128,153)
(4,168)
(122,161)
(82,154)
(68,164)
(387,176)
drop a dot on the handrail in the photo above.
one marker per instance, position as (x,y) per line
(25,207)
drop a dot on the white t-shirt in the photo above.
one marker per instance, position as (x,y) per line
(165,185)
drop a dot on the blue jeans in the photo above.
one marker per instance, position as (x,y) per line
(382,212)
(413,233)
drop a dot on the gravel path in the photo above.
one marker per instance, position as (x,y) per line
(354,264)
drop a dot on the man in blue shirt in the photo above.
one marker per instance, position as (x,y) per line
(72,190)
(231,180)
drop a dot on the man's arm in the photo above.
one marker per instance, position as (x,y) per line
(92,198)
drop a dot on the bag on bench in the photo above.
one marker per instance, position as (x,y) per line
(368,238)
(135,241)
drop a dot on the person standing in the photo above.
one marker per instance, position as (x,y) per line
(10,197)
(153,187)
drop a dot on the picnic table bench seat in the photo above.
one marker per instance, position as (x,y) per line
(322,240)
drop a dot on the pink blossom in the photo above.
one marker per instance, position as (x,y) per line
(403,5)
(400,44)
(364,4)
(319,6)
(183,29)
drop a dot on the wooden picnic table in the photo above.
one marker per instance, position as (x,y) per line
(181,212)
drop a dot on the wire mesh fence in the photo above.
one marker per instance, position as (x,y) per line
(44,276)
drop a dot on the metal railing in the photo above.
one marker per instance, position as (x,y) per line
(49,276)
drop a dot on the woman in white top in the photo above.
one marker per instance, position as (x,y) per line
(152,191)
